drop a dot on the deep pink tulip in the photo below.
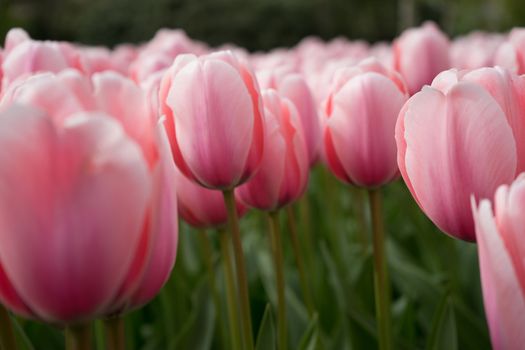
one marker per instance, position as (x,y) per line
(201,207)
(454,142)
(501,249)
(146,244)
(293,87)
(214,119)
(360,117)
(420,54)
(283,175)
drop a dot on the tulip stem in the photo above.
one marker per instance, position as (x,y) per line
(231,294)
(207,252)
(233,224)
(78,337)
(277,250)
(305,286)
(381,282)
(115,339)
(7,336)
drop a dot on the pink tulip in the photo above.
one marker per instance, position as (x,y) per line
(499,234)
(284,169)
(454,143)
(214,119)
(420,54)
(475,50)
(201,207)
(511,54)
(360,116)
(139,256)
(507,88)
(293,87)
(25,57)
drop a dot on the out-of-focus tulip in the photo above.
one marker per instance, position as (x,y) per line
(454,142)
(146,244)
(360,117)
(293,87)
(499,233)
(283,175)
(24,56)
(420,54)
(475,50)
(511,54)
(199,206)
(214,119)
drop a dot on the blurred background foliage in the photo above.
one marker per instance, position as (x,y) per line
(253,24)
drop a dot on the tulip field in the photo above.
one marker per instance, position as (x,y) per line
(332,195)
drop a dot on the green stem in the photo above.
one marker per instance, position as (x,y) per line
(7,336)
(231,294)
(233,225)
(277,249)
(305,286)
(115,339)
(381,282)
(78,337)
(207,253)
(360,205)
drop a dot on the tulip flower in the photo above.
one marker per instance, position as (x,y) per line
(454,141)
(215,125)
(511,54)
(293,87)
(282,179)
(283,175)
(475,50)
(420,54)
(507,88)
(131,224)
(201,207)
(360,116)
(499,232)
(214,119)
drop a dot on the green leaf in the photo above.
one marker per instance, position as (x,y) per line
(198,332)
(444,332)
(266,335)
(310,338)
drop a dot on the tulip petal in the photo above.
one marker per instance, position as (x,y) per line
(78,221)
(454,144)
(213,130)
(502,295)
(362,127)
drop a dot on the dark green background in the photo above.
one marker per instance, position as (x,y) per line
(254,24)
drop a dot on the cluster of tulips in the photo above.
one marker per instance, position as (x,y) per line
(102,150)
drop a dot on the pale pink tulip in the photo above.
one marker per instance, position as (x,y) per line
(201,207)
(152,250)
(453,144)
(476,50)
(360,117)
(499,232)
(283,175)
(507,88)
(511,54)
(214,119)
(420,54)
(293,87)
